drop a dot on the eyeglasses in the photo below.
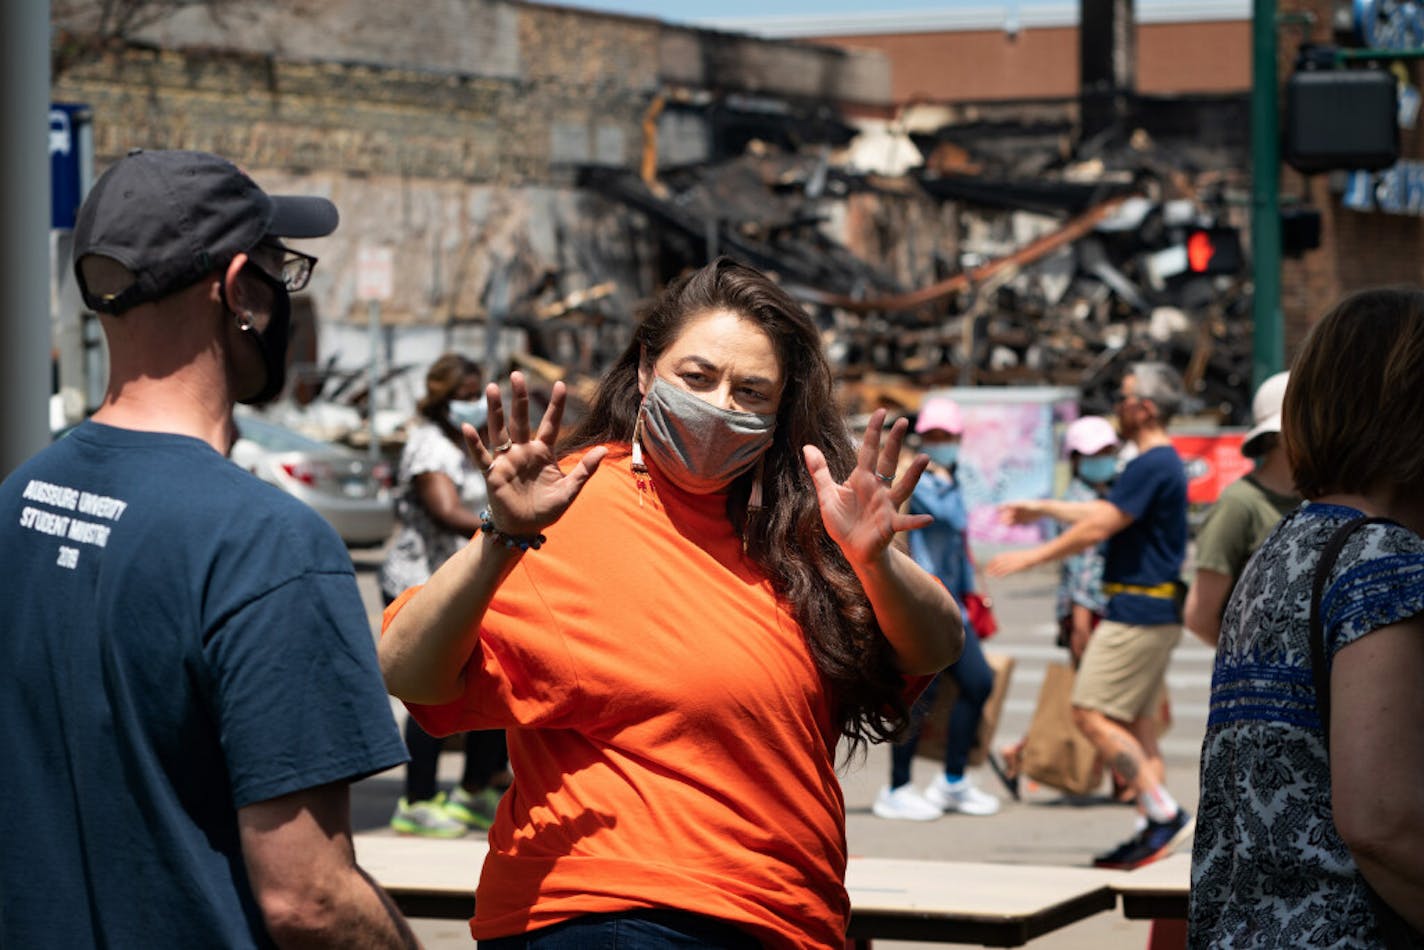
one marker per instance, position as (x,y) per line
(294,267)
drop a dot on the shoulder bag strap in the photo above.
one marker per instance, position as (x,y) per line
(1319,665)
(1393,929)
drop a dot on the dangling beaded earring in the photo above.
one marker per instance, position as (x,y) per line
(640,470)
(753,503)
(754,499)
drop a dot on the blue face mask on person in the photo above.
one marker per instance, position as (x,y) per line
(473,411)
(1097,469)
(943,453)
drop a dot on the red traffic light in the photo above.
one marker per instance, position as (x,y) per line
(1214,251)
(1199,251)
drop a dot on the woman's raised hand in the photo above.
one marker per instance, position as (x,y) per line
(527,489)
(862,514)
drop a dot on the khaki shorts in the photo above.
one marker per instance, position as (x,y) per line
(1123,668)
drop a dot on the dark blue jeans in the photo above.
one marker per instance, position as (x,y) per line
(630,930)
(975,681)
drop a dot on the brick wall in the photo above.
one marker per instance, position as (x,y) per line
(450,130)
(460,173)
(1042,62)
(269,113)
(1357,249)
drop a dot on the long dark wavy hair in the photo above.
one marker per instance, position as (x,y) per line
(786,539)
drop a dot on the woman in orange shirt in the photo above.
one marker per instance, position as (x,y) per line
(677,618)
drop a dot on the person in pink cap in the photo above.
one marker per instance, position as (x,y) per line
(1091,444)
(942,549)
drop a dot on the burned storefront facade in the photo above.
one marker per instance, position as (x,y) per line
(465,138)
(1017,258)
(538,171)
(1046,77)
(1090,152)
(1083,255)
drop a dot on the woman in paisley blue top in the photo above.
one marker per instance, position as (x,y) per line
(942,549)
(1300,842)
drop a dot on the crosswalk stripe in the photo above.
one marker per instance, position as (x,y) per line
(1031,675)
(1180,710)
(1176,749)
(1183,654)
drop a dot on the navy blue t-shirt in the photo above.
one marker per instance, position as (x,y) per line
(1150,551)
(181,640)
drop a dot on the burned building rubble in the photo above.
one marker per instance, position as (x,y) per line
(1079,257)
(1060,267)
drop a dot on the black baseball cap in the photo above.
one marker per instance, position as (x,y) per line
(172,217)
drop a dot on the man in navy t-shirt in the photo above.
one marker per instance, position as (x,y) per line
(1144,524)
(188,681)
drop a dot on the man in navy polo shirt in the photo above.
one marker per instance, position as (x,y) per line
(1144,524)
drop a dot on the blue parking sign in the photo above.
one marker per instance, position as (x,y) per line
(65,167)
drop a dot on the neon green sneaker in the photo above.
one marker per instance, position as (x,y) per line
(428,819)
(473,809)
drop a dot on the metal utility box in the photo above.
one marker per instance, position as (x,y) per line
(1341,119)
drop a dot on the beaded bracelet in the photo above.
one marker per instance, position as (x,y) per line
(522,542)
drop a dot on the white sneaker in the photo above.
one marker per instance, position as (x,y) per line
(960,796)
(905,804)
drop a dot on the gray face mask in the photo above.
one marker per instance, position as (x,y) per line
(698,446)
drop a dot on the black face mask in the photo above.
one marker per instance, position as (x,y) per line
(272,342)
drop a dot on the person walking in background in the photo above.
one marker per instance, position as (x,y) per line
(187,677)
(1091,445)
(1244,515)
(1311,831)
(1144,522)
(677,618)
(440,495)
(942,549)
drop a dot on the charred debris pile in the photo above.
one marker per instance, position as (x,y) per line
(1051,266)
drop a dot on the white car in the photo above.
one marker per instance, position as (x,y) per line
(344,487)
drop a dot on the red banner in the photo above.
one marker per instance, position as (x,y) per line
(1213,461)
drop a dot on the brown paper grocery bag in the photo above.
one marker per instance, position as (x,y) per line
(935,729)
(1055,753)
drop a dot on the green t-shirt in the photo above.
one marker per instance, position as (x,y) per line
(1240,520)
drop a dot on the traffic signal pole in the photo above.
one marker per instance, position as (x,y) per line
(24,231)
(1267,321)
